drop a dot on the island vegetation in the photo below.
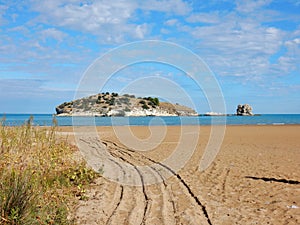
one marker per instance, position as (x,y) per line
(113,104)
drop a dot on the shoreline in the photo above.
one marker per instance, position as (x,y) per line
(196,125)
(203,125)
(49,120)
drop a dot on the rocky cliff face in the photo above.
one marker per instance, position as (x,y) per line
(107,104)
(244,110)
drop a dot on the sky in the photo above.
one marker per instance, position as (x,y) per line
(252,49)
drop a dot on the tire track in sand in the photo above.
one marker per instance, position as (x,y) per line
(104,203)
(160,200)
(124,208)
(166,202)
(189,193)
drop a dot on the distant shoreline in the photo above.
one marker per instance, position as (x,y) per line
(200,114)
(205,114)
(50,119)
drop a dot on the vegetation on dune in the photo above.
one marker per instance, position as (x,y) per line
(40,179)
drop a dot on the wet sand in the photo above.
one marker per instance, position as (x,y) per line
(255,179)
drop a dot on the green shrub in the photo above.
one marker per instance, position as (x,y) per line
(145,106)
(154,101)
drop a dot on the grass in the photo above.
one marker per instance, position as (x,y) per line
(40,179)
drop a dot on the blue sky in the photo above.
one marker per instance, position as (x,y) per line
(252,48)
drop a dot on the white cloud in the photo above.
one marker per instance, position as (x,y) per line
(3,9)
(177,7)
(241,45)
(141,30)
(53,33)
(235,43)
(293,43)
(292,58)
(211,17)
(171,22)
(247,6)
(107,19)
(110,21)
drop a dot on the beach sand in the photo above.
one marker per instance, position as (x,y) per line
(253,180)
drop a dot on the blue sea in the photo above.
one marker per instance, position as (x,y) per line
(47,120)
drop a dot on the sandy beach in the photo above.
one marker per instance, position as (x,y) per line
(254,179)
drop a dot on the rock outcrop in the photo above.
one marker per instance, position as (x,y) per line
(106,104)
(244,110)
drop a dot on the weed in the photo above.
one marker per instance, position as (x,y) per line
(17,196)
(39,177)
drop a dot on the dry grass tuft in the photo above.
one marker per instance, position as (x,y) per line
(39,177)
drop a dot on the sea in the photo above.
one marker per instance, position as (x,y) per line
(50,119)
